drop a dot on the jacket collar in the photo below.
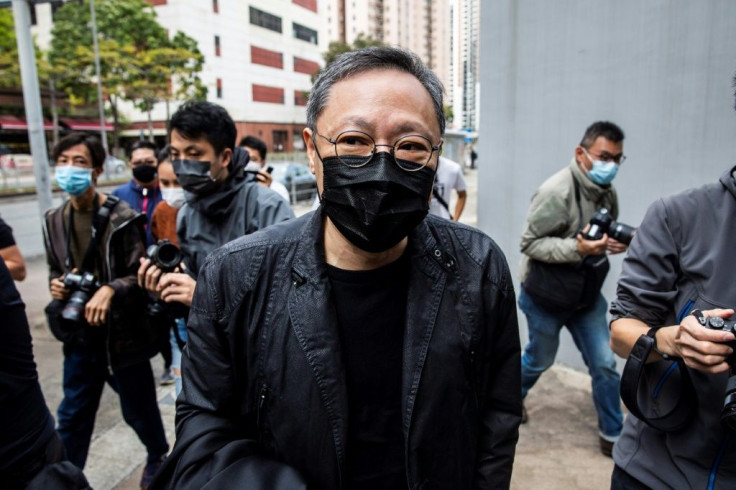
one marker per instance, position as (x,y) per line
(314,319)
(592,191)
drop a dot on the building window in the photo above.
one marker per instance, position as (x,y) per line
(264,93)
(260,56)
(305,66)
(300,98)
(280,140)
(215,7)
(304,33)
(217,45)
(265,20)
(307,4)
(219,88)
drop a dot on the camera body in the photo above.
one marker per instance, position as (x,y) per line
(164,255)
(718,323)
(83,286)
(728,413)
(603,223)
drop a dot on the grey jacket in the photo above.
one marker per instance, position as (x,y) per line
(552,223)
(682,257)
(239,207)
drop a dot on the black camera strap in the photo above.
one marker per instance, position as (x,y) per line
(99,223)
(636,395)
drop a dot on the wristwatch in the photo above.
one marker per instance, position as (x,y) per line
(652,333)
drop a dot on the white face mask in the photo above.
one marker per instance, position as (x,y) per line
(174,196)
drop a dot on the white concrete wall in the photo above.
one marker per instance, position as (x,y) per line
(661,69)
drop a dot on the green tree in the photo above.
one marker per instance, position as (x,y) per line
(138,61)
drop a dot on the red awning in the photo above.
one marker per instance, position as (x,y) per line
(16,123)
(85,124)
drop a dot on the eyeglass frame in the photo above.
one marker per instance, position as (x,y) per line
(433,148)
(621,157)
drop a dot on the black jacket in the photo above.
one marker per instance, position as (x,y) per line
(127,334)
(264,383)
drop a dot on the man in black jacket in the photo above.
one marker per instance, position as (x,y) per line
(365,345)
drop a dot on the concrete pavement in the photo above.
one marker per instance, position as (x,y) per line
(558,448)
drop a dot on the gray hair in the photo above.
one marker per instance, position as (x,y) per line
(374,58)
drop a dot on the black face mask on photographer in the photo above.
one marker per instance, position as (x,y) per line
(194,176)
(144,173)
(378,204)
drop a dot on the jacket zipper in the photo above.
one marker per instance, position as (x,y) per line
(109,276)
(262,397)
(717,463)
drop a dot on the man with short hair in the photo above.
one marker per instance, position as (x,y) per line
(257,150)
(142,192)
(559,212)
(677,274)
(449,177)
(222,201)
(106,336)
(365,345)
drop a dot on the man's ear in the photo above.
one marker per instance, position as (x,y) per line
(227,156)
(579,154)
(311,152)
(96,172)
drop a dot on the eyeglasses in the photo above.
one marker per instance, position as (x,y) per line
(356,148)
(607,157)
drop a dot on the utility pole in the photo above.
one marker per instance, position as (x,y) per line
(100,101)
(32,102)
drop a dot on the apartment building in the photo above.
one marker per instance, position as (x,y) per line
(259,58)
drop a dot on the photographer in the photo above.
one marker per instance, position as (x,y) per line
(679,268)
(257,151)
(93,243)
(553,242)
(222,202)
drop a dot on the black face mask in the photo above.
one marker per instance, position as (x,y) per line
(144,173)
(194,176)
(375,206)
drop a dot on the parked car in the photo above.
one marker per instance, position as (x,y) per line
(297,179)
(114,166)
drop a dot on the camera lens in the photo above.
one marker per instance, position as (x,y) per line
(74,309)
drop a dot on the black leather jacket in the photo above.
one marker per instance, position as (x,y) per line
(264,403)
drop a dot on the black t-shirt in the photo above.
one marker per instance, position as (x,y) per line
(6,235)
(25,422)
(371,312)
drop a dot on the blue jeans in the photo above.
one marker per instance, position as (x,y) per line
(85,374)
(181,326)
(589,330)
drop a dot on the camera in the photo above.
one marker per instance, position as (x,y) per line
(728,413)
(83,286)
(602,222)
(164,255)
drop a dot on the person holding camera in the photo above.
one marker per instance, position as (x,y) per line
(257,150)
(222,202)
(93,244)
(676,281)
(558,253)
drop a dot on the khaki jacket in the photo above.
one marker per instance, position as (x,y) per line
(552,223)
